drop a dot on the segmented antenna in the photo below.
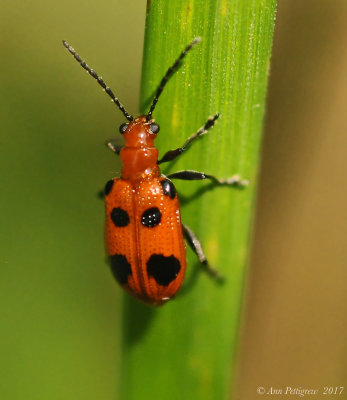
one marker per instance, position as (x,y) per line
(91,72)
(168,74)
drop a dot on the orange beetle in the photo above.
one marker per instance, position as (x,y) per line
(143,229)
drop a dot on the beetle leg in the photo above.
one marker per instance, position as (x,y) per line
(190,175)
(116,148)
(172,154)
(195,245)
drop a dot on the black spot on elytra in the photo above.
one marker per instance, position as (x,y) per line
(163,269)
(119,217)
(120,268)
(168,188)
(108,187)
(151,217)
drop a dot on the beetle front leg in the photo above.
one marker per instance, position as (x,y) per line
(172,154)
(116,148)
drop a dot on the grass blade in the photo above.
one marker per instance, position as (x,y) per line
(186,349)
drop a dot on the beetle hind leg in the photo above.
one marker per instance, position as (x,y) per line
(195,245)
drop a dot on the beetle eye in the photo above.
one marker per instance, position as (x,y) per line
(123,128)
(154,127)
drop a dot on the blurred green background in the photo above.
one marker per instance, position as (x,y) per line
(60,305)
(60,320)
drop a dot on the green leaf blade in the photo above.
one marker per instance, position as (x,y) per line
(186,349)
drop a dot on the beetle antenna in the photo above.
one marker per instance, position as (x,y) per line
(168,74)
(91,72)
